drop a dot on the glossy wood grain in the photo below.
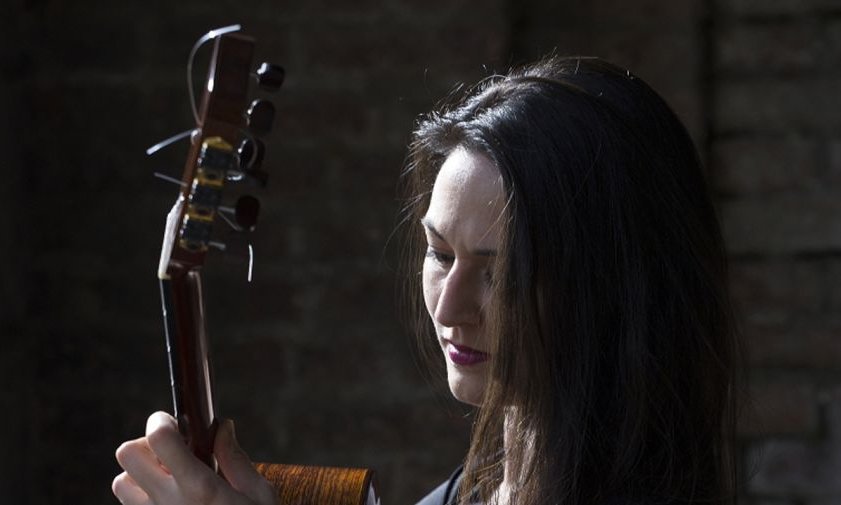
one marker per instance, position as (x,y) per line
(311,485)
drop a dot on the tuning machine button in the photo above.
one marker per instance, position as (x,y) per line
(260,116)
(250,156)
(250,153)
(270,76)
(245,213)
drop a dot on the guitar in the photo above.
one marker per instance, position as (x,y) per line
(212,162)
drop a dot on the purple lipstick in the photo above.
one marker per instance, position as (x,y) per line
(465,356)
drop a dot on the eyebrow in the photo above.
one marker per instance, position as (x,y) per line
(489,253)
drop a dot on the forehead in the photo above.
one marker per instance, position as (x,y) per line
(467,179)
(464,168)
(467,195)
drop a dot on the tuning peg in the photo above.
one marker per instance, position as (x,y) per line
(245,213)
(260,116)
(250,153)
(270,77)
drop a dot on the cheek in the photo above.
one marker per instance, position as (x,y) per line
(431,290)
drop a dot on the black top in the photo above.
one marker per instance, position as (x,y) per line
(446,493)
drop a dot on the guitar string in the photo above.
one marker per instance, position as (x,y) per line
(212,34)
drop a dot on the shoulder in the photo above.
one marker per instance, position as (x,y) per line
(445,493)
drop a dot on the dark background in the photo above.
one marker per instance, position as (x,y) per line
(310,358)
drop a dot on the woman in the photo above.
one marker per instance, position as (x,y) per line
(574,276)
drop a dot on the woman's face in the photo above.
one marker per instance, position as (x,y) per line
(463,232)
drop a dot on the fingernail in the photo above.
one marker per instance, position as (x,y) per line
(229,427)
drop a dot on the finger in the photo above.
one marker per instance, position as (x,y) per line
(237,467)
(128,492)
(191,476)
(138,460)
(168,446)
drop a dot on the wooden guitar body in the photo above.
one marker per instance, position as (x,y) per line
(318,485)
(212,160)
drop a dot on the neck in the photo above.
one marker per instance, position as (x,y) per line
(507,486)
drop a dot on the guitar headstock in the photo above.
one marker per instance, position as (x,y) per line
(224,149)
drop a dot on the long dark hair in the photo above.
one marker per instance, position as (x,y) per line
(611,331)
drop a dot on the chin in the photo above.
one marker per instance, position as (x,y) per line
(467,388)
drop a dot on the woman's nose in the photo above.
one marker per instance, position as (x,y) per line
(460,300)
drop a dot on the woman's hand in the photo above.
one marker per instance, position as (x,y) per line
(161,470)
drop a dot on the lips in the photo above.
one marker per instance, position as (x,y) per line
(465,356)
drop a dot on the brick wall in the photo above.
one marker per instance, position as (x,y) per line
(775,135)
(17,356)
(310,359)
(10,222)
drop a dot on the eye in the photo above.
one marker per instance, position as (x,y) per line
(439,257)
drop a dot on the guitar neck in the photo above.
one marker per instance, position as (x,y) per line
(189,362)
(187,237)
(192,397)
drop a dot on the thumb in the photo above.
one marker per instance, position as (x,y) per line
(237,469)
